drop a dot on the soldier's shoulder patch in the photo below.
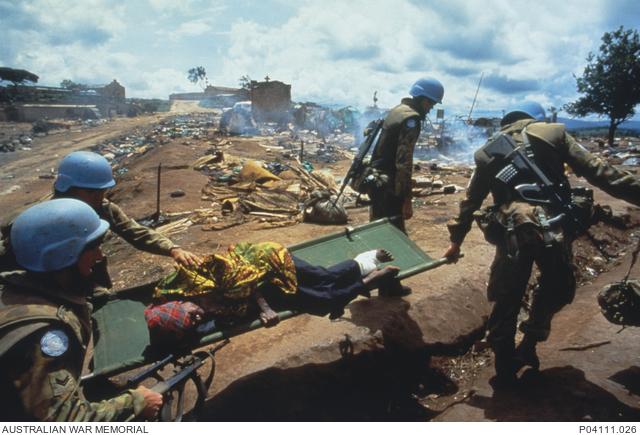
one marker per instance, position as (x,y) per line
(411,123)
(54,342)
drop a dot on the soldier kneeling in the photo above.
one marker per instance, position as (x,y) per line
(45,320)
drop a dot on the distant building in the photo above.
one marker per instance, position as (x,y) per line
(215,96)
(30,103)
(214,91)
(270,100)
(35,112)
(113,90)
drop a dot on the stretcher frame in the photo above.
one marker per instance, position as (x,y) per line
(113,355)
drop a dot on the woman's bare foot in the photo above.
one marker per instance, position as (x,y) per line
(379,276)
(384,256)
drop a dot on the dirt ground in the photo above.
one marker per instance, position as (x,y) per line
(590,370)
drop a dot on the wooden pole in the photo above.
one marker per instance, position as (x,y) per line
(158,193)
(474,98)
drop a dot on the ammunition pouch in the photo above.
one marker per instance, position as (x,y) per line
(583,209)
(517,225)
(369,179)
(494,231)
(498,232)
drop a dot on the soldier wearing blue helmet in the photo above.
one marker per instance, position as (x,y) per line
(393,158)
(524,110)
(45,320)
(86,176)
(528,229)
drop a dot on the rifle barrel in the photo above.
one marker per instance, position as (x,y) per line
(363,150)
(164,386)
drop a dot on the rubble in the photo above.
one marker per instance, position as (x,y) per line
(240,191)
(194,126)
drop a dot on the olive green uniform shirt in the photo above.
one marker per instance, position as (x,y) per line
(36,385)
(595,170)
(394,153)
(139,236)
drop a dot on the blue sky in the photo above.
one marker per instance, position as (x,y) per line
(329,51)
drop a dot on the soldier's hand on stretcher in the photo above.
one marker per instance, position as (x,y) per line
(453,252)
(185,258)
(152,402)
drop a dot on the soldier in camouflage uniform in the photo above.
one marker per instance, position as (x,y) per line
(525,232)
(393,155)
(85,176)
(45,319)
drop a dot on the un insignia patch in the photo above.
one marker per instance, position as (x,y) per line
(54,343)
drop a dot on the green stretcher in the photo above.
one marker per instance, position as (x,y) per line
(121,337)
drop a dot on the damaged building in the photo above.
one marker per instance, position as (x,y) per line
(270,101)
(33,103)
(214,96)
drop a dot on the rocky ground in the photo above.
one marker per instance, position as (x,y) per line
(409,359)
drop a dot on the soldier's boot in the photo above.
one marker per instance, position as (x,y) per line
(526,354)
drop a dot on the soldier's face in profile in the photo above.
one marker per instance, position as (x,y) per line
(88,259)
(427,105)
(93,197)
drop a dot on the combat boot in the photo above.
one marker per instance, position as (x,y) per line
(526,354)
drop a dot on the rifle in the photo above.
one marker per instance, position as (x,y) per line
(185,369)
(543,192)
(372,134)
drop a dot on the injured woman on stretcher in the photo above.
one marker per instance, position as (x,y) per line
(255,280)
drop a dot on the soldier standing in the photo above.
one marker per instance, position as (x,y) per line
(393,161)
(86,176)
(393,155)
(527,231)
(45,319)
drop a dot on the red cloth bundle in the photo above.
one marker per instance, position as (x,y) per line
(173,319)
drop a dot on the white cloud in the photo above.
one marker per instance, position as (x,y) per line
(329,51)
(191,28)
(344,51)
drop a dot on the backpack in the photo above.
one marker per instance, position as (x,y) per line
(620,302)
(321,208)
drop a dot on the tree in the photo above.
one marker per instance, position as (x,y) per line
(245,82)
(17,76)
(611,80)
(198,75)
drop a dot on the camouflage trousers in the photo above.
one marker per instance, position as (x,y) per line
(508,281)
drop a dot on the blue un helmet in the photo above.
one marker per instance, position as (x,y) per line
(428,87)
(51,235)
(84,169)
(526,109)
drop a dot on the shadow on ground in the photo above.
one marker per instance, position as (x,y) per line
(369,384)
(556,394)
